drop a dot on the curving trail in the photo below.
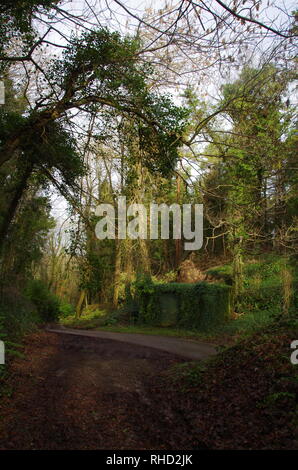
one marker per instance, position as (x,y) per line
(196,350)
(72,391)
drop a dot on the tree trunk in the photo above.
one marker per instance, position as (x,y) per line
(80,303)
(178,246)
(117,272)
(12,208)
(144,256)
(237,272)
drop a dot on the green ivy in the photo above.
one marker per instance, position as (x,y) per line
(196,306)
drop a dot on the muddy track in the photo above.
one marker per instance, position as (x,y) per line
(75,392)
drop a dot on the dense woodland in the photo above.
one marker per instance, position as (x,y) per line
(195,105)
(173,103)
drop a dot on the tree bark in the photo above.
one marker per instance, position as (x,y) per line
(14,203)
(80,303)
(117,272)
(237,272)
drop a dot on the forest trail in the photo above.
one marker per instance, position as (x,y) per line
(75,392)
(190,349)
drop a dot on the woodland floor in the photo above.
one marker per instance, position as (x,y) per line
(81,393)
(71,392)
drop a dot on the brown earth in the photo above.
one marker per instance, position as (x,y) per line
(75,392)
(71,392)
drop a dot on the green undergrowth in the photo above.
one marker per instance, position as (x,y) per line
(223,334)
(265,281)
(24,310)
(262,300)
(102,322)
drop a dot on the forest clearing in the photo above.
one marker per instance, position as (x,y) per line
(148,225)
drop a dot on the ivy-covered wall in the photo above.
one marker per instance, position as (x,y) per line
(194,306)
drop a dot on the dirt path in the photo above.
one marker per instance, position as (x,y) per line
(196,350)
(76,392)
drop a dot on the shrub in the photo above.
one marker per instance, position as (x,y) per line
(270,284)
(46,303)
(112,318)
(17,314)
(221,273)
(66,310)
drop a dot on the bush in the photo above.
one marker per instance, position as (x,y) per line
(17,314)
(112,318)
(221,273)
(66,310)
(270,284)
(46,303)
